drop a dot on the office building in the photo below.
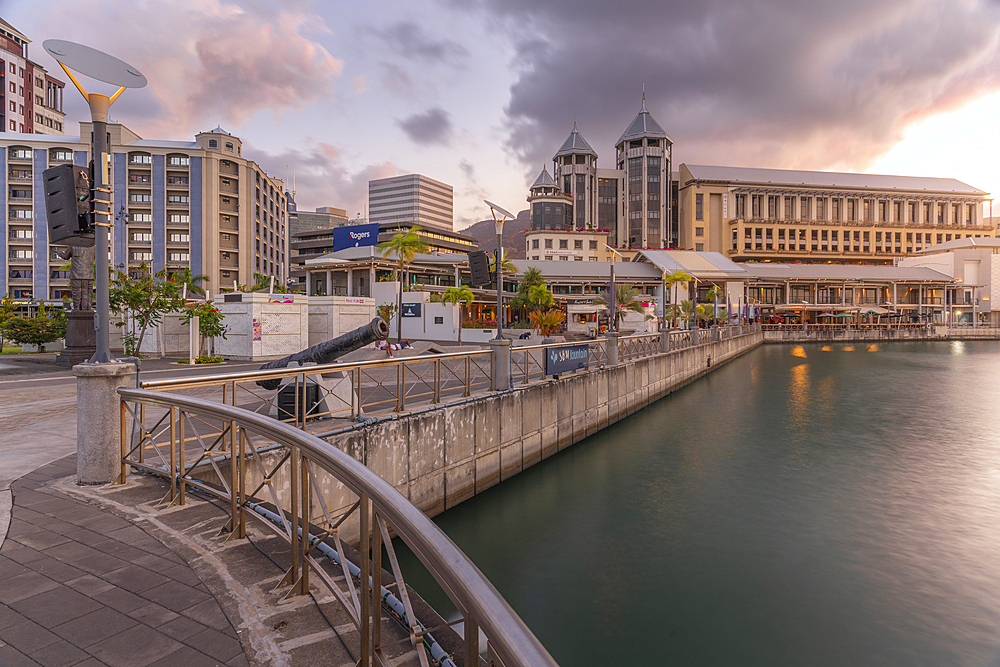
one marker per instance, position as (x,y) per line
(781,215)
(324,217)
(177,204)
(643,154)
(411,199)
(31,101)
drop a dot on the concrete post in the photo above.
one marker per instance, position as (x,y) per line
(193,339)
(501,363)
(664,340)
(612,348)
(98,420)
(694,337)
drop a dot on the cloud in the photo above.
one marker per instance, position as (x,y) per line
(210,62)
(322,177)
(409,39)
(428,128)
(359,84)
(771,83)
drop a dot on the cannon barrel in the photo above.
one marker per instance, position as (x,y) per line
(327,351)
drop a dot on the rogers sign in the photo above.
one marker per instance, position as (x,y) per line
(355,236)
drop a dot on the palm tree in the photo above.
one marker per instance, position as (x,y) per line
(404,246)
(626,299)
(546,321)
(531,277)
(185,277)
(672,281)
(462,296)
(540,298)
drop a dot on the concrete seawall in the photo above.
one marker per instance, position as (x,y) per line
(793,335)
(441,457)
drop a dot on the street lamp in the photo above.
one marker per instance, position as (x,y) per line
(612,292)
(98,65)
(498,222)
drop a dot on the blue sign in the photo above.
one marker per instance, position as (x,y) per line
(411,310)
(566,358)
(354,236)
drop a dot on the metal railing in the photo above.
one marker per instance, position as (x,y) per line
(845,327)
(638,346)
(345,390)
(527,362)
(313,516)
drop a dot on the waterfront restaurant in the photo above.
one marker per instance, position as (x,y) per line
(852,293)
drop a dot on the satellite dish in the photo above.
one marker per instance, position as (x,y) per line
(502,211)
(95,64)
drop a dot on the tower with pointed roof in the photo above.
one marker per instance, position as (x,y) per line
(549,206)
(575,172)
(643,155)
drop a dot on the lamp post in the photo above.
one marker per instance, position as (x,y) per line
(100,66)
(498,222)
(612,293)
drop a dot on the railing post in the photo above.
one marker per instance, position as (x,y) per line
(694,337)
(612,348)
(501,364)
(366,590)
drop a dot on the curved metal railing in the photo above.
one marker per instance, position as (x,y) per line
(380,508)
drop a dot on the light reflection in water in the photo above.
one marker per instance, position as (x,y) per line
(848,348)
(873,348)
(798,351)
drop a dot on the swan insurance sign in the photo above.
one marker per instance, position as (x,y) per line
(566,358)
(354,236)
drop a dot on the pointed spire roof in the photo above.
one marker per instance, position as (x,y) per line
(644,125)
(575,144)
(544,180)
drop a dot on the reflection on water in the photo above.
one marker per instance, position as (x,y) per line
(787,509)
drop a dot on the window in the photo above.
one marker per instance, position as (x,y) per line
(593,245)
(578,244)
(699,246)
(212,143)
(140,199)
(20,234)
(140,256)
(179,218)
(178,257)
(699,207)
(804,208)
(141,217)
(225,274)
(225,237)
(22,254)
(141,236)
(178,199)
(140,159)
(179,161)
(226,255)
(229,145)
(700,231)
(178,238)
(534,244)
(60,155)
(835,209)
(563,244)
(548,244)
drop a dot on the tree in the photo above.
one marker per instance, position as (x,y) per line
(43,328)
(404,246)
(626,299)
(7,310)
(184,277)
(531,277)
(713,295)
(505,264)
(672,280)
(540,298)
(142,301)
(545,322)
(462,296)
(210,321)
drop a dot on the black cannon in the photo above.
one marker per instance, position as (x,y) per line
(328,351)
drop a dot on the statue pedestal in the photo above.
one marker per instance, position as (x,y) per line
(81,338)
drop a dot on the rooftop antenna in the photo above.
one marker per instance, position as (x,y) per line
(293,181)
(643,95)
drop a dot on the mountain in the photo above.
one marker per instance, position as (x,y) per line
(485,232)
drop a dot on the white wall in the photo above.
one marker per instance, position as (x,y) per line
(283,327)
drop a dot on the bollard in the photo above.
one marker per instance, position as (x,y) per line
(664,340)
(612,348)
(98,420)
(501,364)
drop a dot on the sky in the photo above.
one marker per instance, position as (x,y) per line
(481,93)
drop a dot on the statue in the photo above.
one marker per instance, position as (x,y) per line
(81,274)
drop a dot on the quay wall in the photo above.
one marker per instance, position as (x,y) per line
(441,456)
(791,335)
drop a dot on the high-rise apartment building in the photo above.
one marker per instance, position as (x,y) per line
(643,154)
(412,199)
(177,204)
(31,101)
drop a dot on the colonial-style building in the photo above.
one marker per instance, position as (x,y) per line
(778,215)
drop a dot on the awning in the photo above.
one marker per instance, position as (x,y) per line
(812,307)
(874,310)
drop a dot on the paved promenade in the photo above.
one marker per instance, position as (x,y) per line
(103,576)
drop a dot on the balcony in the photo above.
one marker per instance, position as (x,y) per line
(19,176)
(177,182)
(19,156)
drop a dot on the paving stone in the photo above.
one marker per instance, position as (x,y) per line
(215,644)
(209,613)
(94,627)
(27,636)
(176,596)
(181,628)
(59,654)
(11,568)
(56,570)
(56,606)
(188,657)
(24,586)
(39,538)
(135,579)
(89,585)
(239,661)
(183,574)
(11,657)
(136,647)
(120,599)
(9,617)
(153,615)
(20,553)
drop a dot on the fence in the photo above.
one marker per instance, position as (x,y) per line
(223,433)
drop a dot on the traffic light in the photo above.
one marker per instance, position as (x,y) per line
(68,205)
(479,266)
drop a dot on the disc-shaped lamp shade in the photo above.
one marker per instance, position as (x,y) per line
(95,64)
(504,213)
